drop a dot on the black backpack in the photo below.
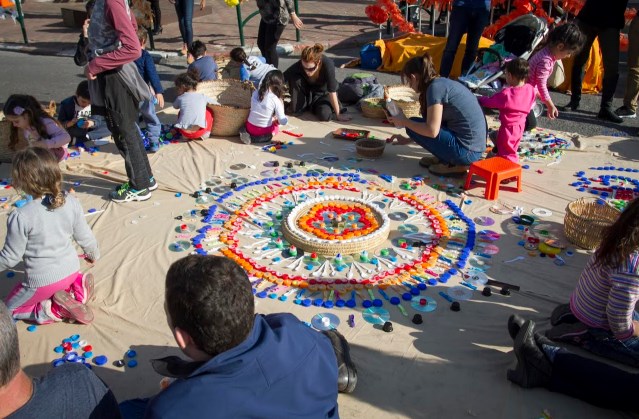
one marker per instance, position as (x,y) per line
(355,87)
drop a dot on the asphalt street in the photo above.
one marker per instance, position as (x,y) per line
(55,78)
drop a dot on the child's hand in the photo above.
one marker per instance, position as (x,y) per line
(88,74)
(202,4)
(85,28)
(552,111)
(160,98)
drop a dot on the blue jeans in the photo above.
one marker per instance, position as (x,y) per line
(603,343)
(446,147)
(134,408)
(184,10)
(150,118)
(463,20)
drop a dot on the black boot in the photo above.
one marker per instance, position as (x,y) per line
(533,368)
(515,322)
(607,114)
(562,314)
(571,106)
(346,371)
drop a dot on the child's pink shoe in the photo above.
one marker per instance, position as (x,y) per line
(66,307)
(83,288)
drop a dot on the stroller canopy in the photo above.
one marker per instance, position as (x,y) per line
(520,35)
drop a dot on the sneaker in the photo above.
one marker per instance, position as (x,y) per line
(562,314)
(153,185)
(607,114)
(126,194)
(83,288)
(153,148)
(245,137)
(515,322)
(574,333)
(346,371)
(626,112)
(428,161)
(533,368)
(65,306)
(448,169)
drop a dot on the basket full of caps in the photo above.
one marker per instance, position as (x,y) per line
(586,219)
(234,98)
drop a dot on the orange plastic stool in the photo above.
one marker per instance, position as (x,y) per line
(493,171)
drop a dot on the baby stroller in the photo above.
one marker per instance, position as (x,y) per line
(517,39)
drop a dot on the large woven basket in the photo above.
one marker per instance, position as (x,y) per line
(372,108)
(234,99)
(406,98)
(586,220)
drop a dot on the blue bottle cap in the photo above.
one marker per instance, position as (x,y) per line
(100,360)
(340,303)
(132,363)
(407,296)
(58,349)
(328,304)
(377,302)
(318,302)
(74,338)
(432,282)
(261,294)
(351,303)
(88,354)
(57,362)
(306,302)
(414,291)
(131,353)
(394,301)
(367,304)
(32,328)
(421,286)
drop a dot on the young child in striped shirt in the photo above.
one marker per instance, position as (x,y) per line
(563,41)
(608,289)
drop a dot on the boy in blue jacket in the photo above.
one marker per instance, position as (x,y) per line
(75,116)
(243,364)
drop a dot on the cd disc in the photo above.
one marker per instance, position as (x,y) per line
(238,166)
(204,199)
(484,221)
(475,278)
(325,321)
(488,235)
(541,212)
(487,248)
(423,303)
(398,216)
(460,293)
(179,246)
(376,315)
(185,228)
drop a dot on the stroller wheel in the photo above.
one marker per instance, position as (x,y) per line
(538,109)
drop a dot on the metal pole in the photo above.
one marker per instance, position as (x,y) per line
(298,36)
(240,24)
(432,20)
(21,20)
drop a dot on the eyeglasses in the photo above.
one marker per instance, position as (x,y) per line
(309,69)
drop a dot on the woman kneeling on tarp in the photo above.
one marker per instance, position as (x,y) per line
(452,127)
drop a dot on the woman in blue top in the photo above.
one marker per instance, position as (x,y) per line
(468,17)
(453,127)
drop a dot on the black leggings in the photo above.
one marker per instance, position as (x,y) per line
(268,35)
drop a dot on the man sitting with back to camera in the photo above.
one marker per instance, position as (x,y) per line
(243,364)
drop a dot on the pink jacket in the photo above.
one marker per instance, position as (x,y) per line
(541,66)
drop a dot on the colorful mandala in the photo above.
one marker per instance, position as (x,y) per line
(329,238)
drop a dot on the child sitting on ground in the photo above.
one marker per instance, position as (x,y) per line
(195,119)
(39,233)
(205,65)
(514,103)
(75,115)
(252,68)
(562,42)
(266,102)
(146,68)
(31,122)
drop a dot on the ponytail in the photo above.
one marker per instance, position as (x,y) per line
(239,56)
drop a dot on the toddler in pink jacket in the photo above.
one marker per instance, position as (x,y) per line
(514,103)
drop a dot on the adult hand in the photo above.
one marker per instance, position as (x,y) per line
(88,73)
(160,98)
(343,118)
(552,111)
(399,121)
(85,28)
(202,4)
(397,139)
(88,123)
(297,22)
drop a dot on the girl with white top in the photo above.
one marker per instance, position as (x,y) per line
(267,110)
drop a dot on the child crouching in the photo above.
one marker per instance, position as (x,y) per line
(195,119)
(39,233)
(267,110)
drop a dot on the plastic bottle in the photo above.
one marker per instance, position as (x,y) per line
(390,106)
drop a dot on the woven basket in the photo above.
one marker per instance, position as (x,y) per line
(369,148)
(406,98)
(227,69)
(333,247)
(586,220)
(372,108)
(235,103)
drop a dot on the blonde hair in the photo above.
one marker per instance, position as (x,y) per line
(36,172)
(313,54)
